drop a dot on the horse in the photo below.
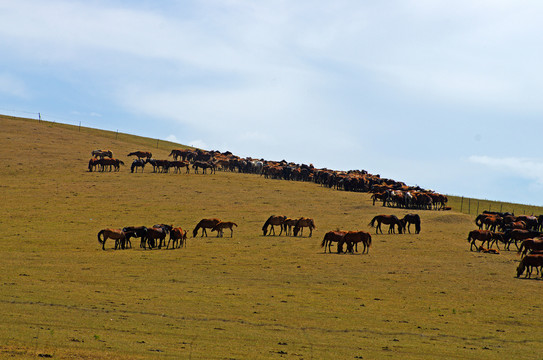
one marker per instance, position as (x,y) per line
(488,251)
(179,238)
(332,236)
(411,219)
(136,232)
(274,220)
(484,236)
(517,234)
(159,165)
(530,245)
(136,164)
(180,153)
(288,224)
(115,234)
(93,163)
(387,220)
(205,224)
(177,165)
(157,232)
(528,263)
(141,154)
(220,226)
(102,153)
(204,165)
(301,223)
(381,196)
(353,238)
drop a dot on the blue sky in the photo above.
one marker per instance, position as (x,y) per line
(445,95)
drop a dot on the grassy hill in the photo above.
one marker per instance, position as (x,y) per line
(250,296)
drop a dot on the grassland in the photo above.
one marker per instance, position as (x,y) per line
(248,297)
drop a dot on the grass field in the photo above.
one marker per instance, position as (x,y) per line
(413,296)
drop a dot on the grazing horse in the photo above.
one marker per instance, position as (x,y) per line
(274,220)
(390,220)
(179,238)
(484,236)
(141,154)
(115,234)
(411,219)
(203,165)
(157,232)
(93,163)
(180,153)
(530,245)
(205,224)
(136,164)
(177,165)
(301,223)
(136,232)
(220,226)
(528,263)
(353,238)
(332,236)
(288,224)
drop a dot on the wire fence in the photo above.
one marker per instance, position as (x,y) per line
(472,206)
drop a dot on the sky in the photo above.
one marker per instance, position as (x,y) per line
(444,95)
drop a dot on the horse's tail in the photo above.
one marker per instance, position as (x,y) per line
(469,236)
(100,240)
(479,221)
(236,225)
(372,222)
(324,241)
(313,224)
(369,240)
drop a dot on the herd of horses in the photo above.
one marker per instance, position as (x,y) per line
(392,193)
(524,231)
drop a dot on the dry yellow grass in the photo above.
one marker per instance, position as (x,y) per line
(412,297)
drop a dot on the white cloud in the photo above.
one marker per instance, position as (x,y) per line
(528,168)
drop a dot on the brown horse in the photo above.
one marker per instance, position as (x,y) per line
(115,234)
(157,232)
(301,223)
(411,219)
(484,236)
(205,224)
(353,238)
(141,154)
(288,225)
(528,263)
(102,153)
(179,238)
(332,236)
(220,226)
(274,220)
(390,220)
(530,245)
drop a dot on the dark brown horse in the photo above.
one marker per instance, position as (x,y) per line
(115,234)
(411,219)
(102,153)
(156,235)
(221,225)
(352,238)
(332,236)
(391,220)
(205,224)
(530,245)
(288,224)
(528,263)
(178,236)
(141,154)
(483,236)
(301,223)
(274,220)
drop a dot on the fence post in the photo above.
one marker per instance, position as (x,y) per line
(157,143)
(469,205)
(117,134)
(461,203)
(39,117)
(477,213)
(80,126)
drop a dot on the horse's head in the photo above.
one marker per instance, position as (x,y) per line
(520,269)
(265,230)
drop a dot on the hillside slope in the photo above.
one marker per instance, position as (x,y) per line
(249,296)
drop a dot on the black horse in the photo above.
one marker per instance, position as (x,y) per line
(136,164)
(411,219)
(136,232)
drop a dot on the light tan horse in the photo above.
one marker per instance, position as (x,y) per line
(219,228)
(115,234)
(304,222)
(205,224)
(274,220)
